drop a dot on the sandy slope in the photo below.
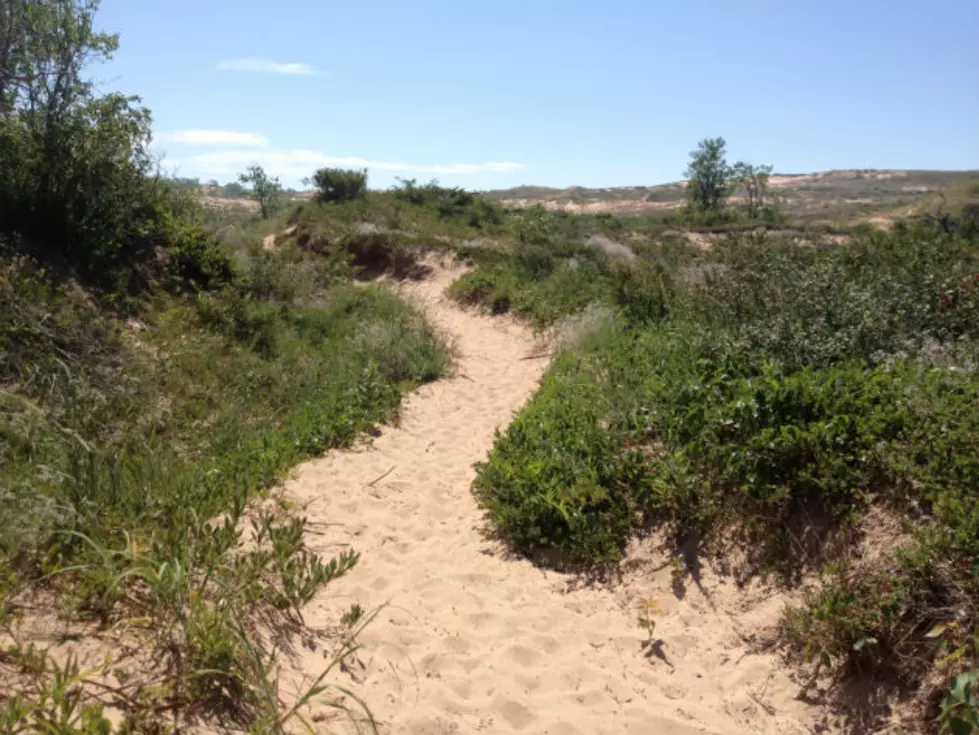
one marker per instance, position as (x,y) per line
(474,641)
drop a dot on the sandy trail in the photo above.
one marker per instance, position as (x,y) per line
(475,641)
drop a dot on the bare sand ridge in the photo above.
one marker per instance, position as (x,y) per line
(473,640)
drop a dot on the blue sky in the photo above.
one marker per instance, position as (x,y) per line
(491,95)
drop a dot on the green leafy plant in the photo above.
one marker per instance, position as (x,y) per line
(58,703)
(960,708)
(266,190)
(339,185)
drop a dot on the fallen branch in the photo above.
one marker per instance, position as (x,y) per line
(373,482)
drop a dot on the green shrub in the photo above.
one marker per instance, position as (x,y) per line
(534,226)
(83,198)
(766,394)
(552,477)
(817,306)
(960,708)
(539,262)
(536,284)
(195,258)
(339,185)
(644,290)
(859,618)
(691,217)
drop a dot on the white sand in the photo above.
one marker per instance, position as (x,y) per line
(475,641)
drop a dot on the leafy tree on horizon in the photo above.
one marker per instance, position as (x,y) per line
(265,190)
(709,175)
(754,179)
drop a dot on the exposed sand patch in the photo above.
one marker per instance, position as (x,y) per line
(475,641)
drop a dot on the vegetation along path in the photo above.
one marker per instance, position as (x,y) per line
(472,640)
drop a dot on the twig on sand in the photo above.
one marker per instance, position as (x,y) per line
(538,356)
(376,480)
(767,707)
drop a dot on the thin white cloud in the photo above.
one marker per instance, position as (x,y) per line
(267,66)
(221,138)
(297,163)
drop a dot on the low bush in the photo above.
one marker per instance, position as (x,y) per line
(339,185)
(553,479)
(449,203)
(538,284)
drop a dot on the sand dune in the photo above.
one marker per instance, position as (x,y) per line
(474,641)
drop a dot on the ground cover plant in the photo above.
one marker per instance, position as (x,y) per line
(770,395)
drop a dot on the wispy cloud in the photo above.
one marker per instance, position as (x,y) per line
(297,163)
(220,138)
(268,66)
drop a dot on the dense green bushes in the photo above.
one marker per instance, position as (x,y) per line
(808,363)
(227,378)
(766,394)
(339,185)
(79,191)
(538,288)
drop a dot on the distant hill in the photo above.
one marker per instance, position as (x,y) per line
(961,199)
(816,195)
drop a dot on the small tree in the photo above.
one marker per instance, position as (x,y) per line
(339,185)
(754,179)
(709,176)
(265,191)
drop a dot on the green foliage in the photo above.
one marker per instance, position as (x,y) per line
(534,226)
(120,449)
(960,708)
(264,190)
(58,706)
(449,203)
(709,176)
(644,290)
(754,180)
(339,185)
(79,193)
(551,478)
(816,306)
(537,286)
(692,217)
(768,395)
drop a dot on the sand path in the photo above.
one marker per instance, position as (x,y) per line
(475,641)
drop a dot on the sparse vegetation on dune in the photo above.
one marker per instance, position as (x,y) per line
(829,197)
